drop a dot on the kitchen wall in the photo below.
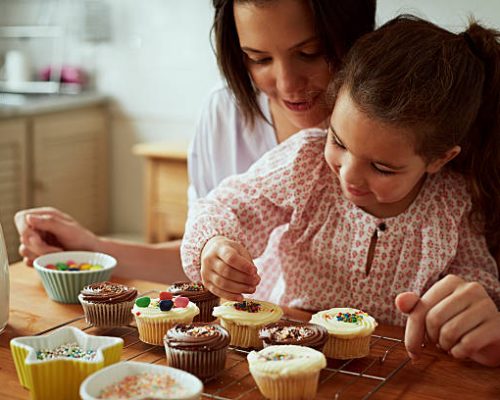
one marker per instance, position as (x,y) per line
(158,66)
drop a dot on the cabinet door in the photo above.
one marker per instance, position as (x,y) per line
(13,180)
(70,164)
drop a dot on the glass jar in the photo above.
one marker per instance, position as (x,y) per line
(4,284)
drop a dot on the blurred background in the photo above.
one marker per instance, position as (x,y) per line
(99,99)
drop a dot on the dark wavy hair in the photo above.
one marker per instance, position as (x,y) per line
(338,23)
(445,88)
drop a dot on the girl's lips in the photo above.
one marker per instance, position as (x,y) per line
(357,192)
(300,105)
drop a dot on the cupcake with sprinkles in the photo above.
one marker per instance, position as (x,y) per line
(244,319)
(199,295)
(155,316)
(199,348)
(107,304)
(296,333)
(349,332)
(287,371)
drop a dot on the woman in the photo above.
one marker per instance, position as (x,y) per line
(277,57)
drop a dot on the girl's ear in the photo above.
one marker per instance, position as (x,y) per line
(440,162)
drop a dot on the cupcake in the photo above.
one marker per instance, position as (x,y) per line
(244,319)
(107,304)
(349,332)
(155,316)
(297,333)
(199,295)
(286,372)
(199,348)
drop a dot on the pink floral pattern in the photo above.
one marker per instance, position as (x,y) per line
(316,258)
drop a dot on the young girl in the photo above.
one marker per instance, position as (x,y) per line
(403,191)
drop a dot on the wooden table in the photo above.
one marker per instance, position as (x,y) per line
(435,376)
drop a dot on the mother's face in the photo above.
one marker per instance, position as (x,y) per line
(285,59)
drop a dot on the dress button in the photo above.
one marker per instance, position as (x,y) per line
(382,226)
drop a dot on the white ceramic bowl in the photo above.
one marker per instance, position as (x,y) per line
(92,386)
(65,286)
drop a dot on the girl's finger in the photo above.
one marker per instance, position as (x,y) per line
(230,285)
(232,257)
(461,324)
(226,271)
(221,292)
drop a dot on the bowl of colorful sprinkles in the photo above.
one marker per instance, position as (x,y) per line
(65,273)
(138,380)
(53,366)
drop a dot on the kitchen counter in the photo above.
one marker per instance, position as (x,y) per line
(18,105)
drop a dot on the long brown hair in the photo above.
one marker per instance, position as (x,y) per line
(338,23)
(445,88)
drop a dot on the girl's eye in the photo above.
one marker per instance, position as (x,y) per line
(382,171)
(336,143)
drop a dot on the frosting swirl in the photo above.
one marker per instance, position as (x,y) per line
(108,292)
(197,336)
(345,322)
(285,360)
(194,291)
(298,333)
(253,313)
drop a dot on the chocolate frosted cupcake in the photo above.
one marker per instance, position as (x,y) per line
(296,333)
(199,348)
(107,304)
(196,292)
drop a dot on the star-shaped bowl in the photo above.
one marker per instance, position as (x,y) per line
(60,378)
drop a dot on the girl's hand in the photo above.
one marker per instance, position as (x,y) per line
(227,269)
(46,230)
(458,316)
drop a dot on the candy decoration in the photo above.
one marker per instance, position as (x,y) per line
(70,265)
(166,305)
(166,296)
(143,301)
(248,306)
(181,302)
(350,318)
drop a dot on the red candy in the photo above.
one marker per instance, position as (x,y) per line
(166,296)
(181,302)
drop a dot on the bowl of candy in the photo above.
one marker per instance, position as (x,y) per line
(65,273)
(139,380)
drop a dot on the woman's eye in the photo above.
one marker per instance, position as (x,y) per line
(310,55)
(259,61)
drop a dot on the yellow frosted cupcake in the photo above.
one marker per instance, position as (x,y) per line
(286,371)
(244,319)
(349,332)
(155,316)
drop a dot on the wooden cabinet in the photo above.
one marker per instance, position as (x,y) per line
(13,179)
(57,159)
(166,189)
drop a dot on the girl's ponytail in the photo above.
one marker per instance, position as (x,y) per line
(479,160)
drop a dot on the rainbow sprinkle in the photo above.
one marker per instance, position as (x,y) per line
(355,318)
(248,306)
(145,385)
(67,350)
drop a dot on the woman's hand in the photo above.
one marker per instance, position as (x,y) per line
(227,269)
(457,316)
(46,230)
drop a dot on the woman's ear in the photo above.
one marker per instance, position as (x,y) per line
(440,162)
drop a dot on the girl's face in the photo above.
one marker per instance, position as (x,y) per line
(375,162)
(285,59)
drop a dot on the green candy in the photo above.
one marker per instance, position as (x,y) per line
(143,301)
(62,266)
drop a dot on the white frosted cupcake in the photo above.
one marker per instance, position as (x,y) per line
(155,316)
(286,371)
(349,332)
(244,319)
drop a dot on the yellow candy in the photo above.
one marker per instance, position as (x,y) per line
(95,267)
(84,267)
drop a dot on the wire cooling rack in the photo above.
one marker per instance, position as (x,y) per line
(348,379)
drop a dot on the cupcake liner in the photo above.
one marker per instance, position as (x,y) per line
(152,330)
(243,335)
(206,307)
(107,315)
(203,364)
(296,387)
(343,349)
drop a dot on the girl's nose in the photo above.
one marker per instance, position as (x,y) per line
(352,173)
